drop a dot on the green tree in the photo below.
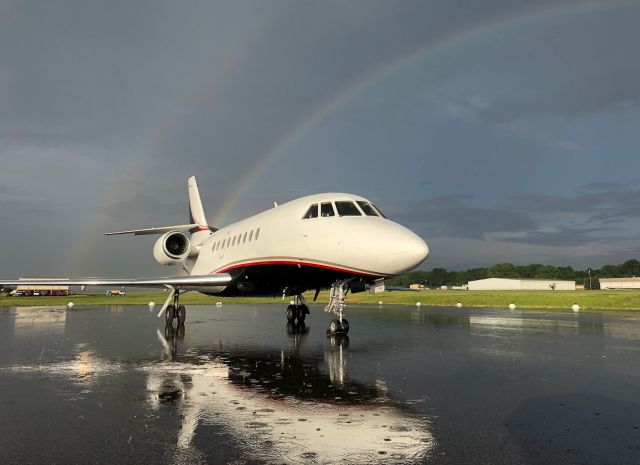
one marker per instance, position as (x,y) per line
(503,270)
(439,277)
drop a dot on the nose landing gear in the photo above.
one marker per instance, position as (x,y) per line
(336,305)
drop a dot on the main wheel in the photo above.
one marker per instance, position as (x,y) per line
(181,314)
(170,314)
(334,326)
(291,329)
(303,311)
(292,313)
(345,325)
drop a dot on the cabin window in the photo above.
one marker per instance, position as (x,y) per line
(367,209)
(244,238)
(312,212)
(257,233)
(326,209)
(250,235)
(233,242)
(346,208)
(378,210)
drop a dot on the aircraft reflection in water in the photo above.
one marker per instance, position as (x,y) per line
(282,407)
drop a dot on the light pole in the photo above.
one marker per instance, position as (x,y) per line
(589,271)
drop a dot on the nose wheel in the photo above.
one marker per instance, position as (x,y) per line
(336,305)
(338,327)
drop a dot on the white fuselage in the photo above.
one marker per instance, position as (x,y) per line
(367,246)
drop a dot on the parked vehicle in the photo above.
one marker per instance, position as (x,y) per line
(116,292)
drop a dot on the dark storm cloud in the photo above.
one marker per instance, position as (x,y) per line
(140,209)
(589,69)
(601,201)
(107,107)
(561,237)
(589,95)
(456,216)
(532,219)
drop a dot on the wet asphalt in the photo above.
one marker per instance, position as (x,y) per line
(113,384)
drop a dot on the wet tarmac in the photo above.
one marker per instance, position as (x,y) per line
(112,384)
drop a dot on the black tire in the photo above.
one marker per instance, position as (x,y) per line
(335,327)
(338,341)
(303,311)
(292,313)
(179,332)
(345,325)
(168,332)
(170,314)
(181,314)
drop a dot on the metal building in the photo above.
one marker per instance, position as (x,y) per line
(503,284)
(620,283)
(28,290)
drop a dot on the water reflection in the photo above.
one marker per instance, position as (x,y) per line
(285,406)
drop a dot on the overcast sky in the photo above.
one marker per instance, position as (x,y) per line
(499,130)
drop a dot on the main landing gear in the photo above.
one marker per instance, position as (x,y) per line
(176,311)
(339,291)
(298,310)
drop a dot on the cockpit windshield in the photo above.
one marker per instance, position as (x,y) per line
(342,208)
(367,208)
(347,208)
(312,212)
(378,210)
(326,209)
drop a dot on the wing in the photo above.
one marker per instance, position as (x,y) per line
(191,228)
(174,281)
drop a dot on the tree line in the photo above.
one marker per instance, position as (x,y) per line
(442,277)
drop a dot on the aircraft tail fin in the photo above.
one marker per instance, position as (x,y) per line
(197,218)
(196,211)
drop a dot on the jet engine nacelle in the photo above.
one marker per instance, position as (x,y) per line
(172,248)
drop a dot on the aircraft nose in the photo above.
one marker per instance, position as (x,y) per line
(410,250)
(417,250)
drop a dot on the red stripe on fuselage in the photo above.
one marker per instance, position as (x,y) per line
(290,262)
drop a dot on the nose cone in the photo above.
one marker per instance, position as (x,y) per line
(405,250)
(413,250)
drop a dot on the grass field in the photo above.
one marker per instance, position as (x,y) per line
(500,299)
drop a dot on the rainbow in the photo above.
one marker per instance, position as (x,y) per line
(346,94)
(425,51)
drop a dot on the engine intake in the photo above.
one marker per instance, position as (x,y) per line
(172,248)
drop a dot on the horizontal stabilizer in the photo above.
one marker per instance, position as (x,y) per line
(176,281)
(163,229)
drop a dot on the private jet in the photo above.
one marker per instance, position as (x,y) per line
(335,241)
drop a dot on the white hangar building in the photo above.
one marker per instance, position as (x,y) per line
(503,284)
(620,283)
